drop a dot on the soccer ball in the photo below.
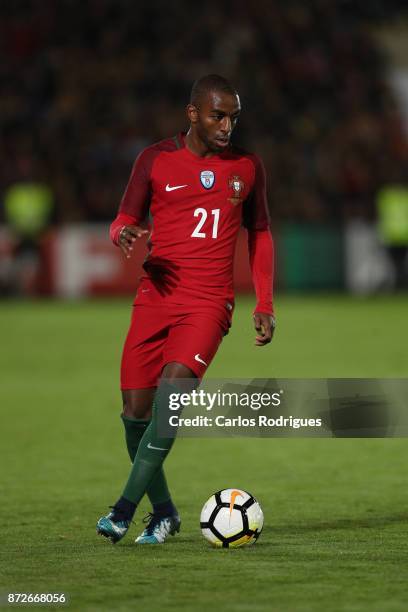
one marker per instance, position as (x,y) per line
(231,518)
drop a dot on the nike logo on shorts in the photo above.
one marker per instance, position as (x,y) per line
(168,188)
(156,447)
(198,358)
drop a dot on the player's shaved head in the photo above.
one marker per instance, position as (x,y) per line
(209,83)
(213,113)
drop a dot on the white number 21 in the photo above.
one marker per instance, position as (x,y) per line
(202,213)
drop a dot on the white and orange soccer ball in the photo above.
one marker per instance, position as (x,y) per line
(231,518)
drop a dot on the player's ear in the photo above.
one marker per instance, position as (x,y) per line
(192,113)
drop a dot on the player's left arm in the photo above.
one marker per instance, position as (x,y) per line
(261,255)
(261,258)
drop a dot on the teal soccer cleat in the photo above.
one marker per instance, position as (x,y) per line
(113,530)
(159,528)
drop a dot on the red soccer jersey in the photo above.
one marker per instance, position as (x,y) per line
(196,206)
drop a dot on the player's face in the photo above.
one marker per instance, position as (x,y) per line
(215,118)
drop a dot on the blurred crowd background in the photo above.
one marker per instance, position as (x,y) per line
(86,84)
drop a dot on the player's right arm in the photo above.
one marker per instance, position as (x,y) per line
(125,229)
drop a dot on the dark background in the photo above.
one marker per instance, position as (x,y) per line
(85,85)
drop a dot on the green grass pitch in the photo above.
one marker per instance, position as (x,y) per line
(336,510)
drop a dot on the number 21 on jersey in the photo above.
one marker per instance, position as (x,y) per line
(202,214)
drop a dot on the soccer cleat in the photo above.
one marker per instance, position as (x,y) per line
(113,530)
(159,528)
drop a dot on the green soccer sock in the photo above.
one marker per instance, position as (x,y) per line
(151,451)
(157,491)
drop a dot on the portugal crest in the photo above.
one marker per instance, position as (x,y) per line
(236,184)
(207,178)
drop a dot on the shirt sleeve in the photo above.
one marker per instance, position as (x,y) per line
(136,199)
(255,215)
(261,259)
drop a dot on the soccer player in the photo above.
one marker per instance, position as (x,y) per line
(197,189)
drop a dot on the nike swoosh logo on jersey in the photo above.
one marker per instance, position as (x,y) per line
(168,188)
(198,358)
(156,447)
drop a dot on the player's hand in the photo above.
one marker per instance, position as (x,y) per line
(128,235)
(265,326)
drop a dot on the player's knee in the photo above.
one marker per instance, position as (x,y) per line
(137,405)
(137,412)
(174,371)
(180,377)
(129,410)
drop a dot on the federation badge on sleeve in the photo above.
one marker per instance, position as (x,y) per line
(236,184)
(207,178)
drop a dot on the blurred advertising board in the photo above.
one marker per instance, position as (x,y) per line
(80,261)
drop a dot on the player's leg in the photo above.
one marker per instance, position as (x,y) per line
(136,416)
(195,339)
(151,453)
(141,365)
(137,411)
(192,343)
(164,520)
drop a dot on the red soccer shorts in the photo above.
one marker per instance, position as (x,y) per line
(161,333)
